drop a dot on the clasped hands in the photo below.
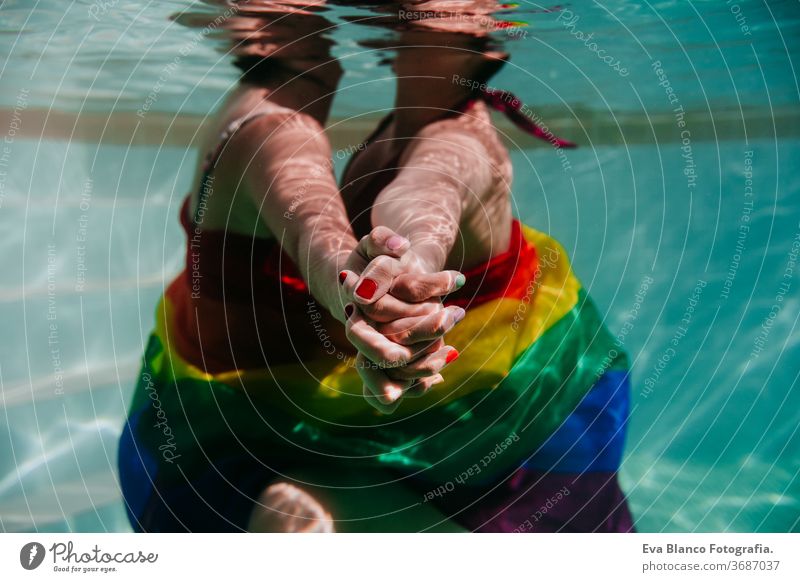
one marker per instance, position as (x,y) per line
(395,318)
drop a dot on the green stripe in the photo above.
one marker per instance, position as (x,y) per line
(545,384)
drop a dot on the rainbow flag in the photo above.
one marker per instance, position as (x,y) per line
(533,347)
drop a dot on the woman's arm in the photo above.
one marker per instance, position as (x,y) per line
(290,178)
(444,174)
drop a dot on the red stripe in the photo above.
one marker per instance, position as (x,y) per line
(508,275)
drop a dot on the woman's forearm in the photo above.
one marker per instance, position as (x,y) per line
(298,199)
(442,175)
(323,248)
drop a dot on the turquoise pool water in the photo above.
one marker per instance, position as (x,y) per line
(688,242)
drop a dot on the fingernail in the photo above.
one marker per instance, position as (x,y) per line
(452,355)
(458,314)
(348,310)
(395,242)
(367,289)
(342,277)
(460,281)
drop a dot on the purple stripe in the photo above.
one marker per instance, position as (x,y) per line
(535,501)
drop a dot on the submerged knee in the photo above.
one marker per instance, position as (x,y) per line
(285,508)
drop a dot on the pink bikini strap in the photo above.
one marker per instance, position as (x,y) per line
(509,104)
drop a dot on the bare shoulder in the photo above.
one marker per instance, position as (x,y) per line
(473,132)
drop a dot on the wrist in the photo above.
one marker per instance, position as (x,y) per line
(421,260)
(322,277)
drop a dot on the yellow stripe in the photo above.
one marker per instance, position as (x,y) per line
(490,338)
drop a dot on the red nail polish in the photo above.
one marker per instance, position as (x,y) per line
(348,310)
(342,277)
(452,355)
(367,289)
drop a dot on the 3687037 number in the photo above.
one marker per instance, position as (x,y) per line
(754,565)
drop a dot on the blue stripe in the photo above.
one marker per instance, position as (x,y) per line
(137,470)
(592,438)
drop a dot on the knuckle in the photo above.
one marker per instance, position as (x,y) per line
(381,232)
(400,336)
(371,310)
(385,262)
(375,237)
(440,323)
(408,337)
(379,310)
(427,366)
(413,288)
(420,290)
(395,358)
(443,283)
(383,267)
(429,308)
(400,287)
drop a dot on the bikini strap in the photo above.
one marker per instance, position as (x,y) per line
(520,115)
(212,157)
